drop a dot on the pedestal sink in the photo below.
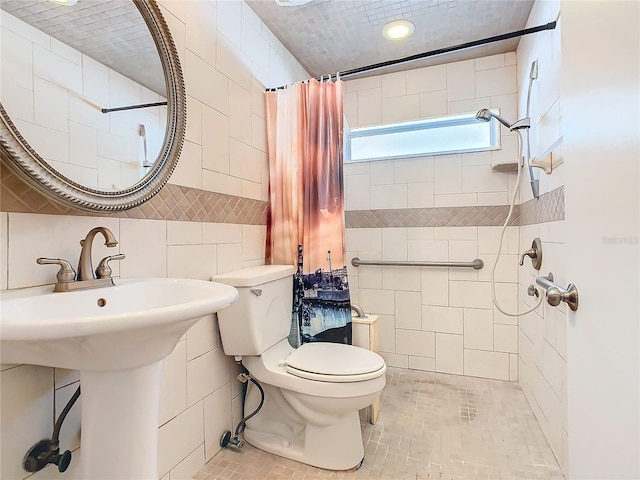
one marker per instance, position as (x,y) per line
(118,338)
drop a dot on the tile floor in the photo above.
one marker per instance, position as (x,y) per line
(432,426)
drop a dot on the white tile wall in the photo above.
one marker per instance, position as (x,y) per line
(542,334)
(226,69)
(449,353)
(481,363)
(179,437)
(454,180)
(411,342)
(173,396)
(433,104)
(217,418)
(144,244)
(192,261)
(32,235)
(215,143)
(408,314)
(449,302)
(70,434)
(454,305)
(24,423)
(400,109)
(205,374)
(427,79)
(443,319)
(188,467)
(3,250)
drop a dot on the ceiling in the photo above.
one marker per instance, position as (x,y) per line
(326,36)
(329,35)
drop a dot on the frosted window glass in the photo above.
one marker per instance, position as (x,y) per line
(462,133)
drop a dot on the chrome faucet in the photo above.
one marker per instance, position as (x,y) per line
(86,278)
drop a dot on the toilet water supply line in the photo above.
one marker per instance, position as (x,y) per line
(533,75)
(244,376)
(47,451)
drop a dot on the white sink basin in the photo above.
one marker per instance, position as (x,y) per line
(134,323)
(118,338)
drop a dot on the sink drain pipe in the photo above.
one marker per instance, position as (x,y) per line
(244,376)
(48,450)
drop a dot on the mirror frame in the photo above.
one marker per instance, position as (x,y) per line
(24,161)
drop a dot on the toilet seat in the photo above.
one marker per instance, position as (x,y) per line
(334,362)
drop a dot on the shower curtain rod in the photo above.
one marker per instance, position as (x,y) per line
(434,53)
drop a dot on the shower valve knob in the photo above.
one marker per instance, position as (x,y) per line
(535,253)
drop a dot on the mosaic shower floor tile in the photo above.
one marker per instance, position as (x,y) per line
(432,426)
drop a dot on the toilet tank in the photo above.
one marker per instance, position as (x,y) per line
(261,316)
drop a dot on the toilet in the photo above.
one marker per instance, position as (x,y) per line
(312,394)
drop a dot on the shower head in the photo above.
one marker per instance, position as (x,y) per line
(143,134)
(485,115)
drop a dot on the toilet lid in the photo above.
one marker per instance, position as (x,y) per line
(334,362)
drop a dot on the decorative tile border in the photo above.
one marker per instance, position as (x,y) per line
(548,208)
(173,202)
(430,217)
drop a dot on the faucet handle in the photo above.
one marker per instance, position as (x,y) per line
(535,253)
(66,274)
(104,270)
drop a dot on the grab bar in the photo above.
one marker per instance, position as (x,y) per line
(556,294)
(359,311)
(477,263)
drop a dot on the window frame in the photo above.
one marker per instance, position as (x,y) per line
(422,124)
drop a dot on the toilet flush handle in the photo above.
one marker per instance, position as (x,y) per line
(256,291)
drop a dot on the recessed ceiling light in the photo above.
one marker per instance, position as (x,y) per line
(66,3)
(398,29)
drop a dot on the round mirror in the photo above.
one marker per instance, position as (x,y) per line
(93,102)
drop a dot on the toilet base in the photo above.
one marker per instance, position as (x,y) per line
(332,447)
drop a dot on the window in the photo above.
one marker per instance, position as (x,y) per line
(435,136)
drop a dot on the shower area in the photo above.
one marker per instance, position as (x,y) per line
(451,208)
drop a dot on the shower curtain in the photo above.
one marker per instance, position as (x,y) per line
(305,225)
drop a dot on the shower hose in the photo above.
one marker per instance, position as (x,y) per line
(504,229)
(521,160)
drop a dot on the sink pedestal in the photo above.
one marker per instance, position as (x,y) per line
(107,334)
(120,412)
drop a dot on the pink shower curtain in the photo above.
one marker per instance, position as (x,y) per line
(305,226)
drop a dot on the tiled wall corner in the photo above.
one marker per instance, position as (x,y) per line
(542,334)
